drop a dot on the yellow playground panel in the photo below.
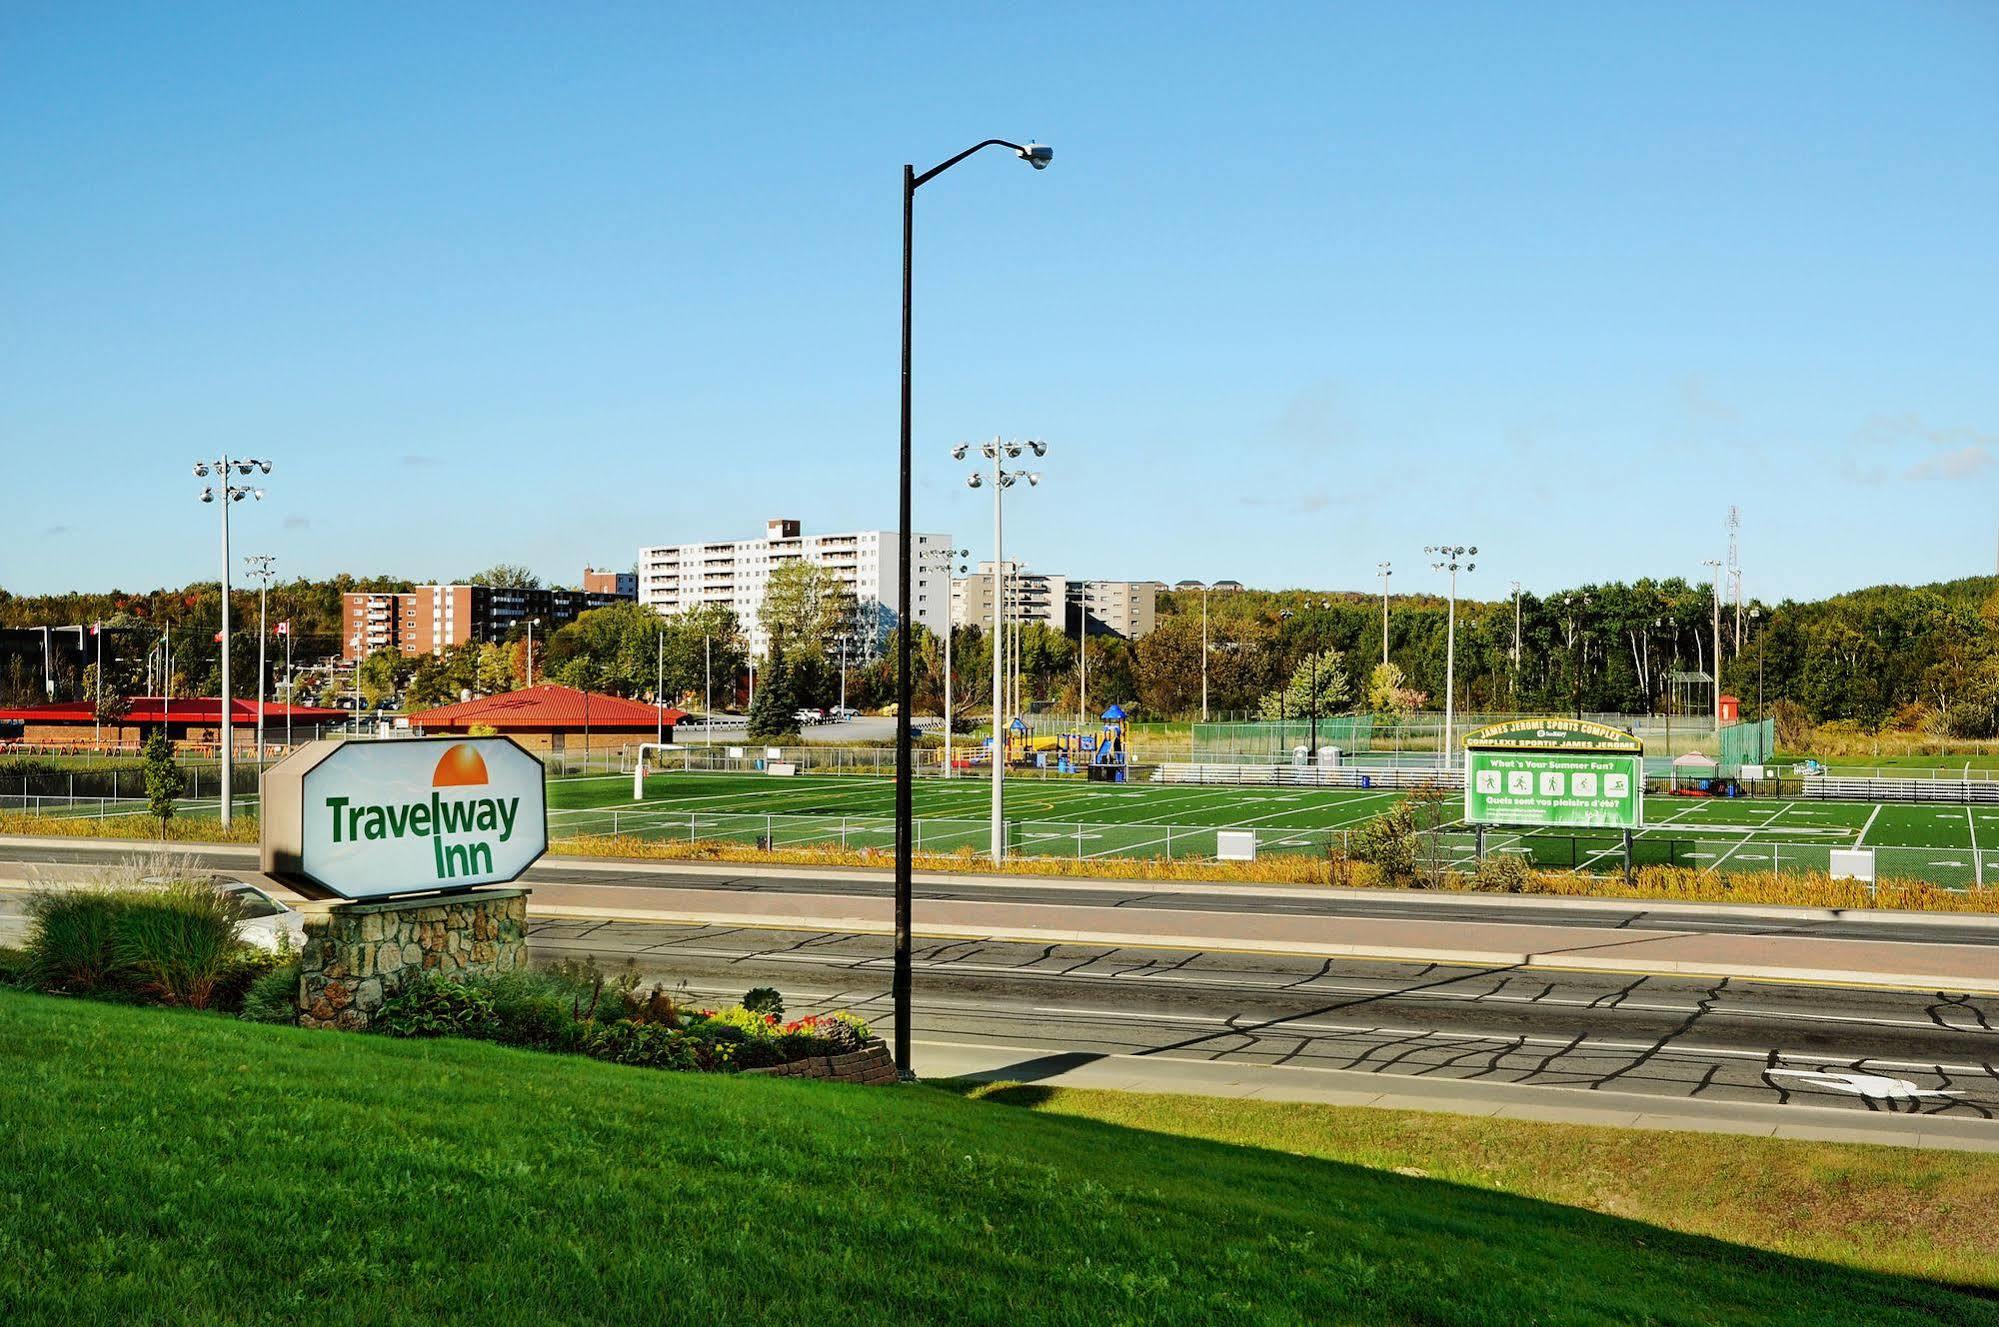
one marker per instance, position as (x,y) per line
(1100,754)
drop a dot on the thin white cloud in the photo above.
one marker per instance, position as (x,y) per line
(1958,463)
(1907,447)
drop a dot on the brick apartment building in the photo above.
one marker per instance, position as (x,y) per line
(432,618)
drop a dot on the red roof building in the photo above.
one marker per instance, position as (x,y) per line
(548,717)
(190,720)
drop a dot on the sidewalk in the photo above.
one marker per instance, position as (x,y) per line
(1513,1101)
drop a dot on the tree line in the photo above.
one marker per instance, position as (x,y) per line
(1924,658)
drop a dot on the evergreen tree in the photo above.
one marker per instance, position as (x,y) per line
(164,780)
(774,713)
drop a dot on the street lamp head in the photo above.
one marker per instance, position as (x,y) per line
(1037,155)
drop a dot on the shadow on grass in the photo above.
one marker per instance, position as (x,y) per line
(1696,1278)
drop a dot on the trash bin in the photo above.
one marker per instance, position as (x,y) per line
(1367,780)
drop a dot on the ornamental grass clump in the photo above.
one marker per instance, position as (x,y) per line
(72,939)
(179,943)
(156,930)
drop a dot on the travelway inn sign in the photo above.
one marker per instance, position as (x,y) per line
(373,820)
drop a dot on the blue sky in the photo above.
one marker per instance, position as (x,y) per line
(1306,287)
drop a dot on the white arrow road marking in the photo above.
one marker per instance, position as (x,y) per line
(1861,1085)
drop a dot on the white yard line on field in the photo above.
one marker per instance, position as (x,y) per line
(1869,825)
(1746,839)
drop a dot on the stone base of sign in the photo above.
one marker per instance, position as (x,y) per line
(360,954)
(870,1064)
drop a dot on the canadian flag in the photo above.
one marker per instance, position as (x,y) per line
(284,628)
(218,638)
(96,627)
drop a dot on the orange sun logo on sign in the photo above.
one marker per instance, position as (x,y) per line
(461,766)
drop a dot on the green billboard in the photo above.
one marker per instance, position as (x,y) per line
(1554,772)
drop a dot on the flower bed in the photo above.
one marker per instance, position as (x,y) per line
(576,1009)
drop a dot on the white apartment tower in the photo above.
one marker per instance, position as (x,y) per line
(675,578)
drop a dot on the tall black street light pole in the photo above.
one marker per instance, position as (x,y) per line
(1037,156)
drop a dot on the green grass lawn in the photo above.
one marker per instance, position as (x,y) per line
(172,1168)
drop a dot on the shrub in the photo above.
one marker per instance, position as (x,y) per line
(13,966)
(1505,873)
(72,939)
(1389,843)
(179,942)
(658,1005)
(651,1045)
(434,1006)
(538,1010)
(764,1000)
(272,996)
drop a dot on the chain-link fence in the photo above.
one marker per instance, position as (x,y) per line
(1037,838)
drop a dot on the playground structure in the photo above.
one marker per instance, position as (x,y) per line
(1102,756)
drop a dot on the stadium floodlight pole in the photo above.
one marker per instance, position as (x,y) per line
(1002,479)
(1711,562)
(228,491)
(1083,652)
(944,557)
(1755,616)
(1386,571)
(1451,558)
(1204,652)
(1038,156)
(1284,616)
(707,689)
(658,695)
(259,565)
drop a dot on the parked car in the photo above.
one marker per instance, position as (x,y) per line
(262,918)
(809,715)
(845,712)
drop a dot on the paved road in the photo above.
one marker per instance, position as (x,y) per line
(1720,1041)
(1302,901)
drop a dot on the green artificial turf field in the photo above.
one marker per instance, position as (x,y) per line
(1954,845)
